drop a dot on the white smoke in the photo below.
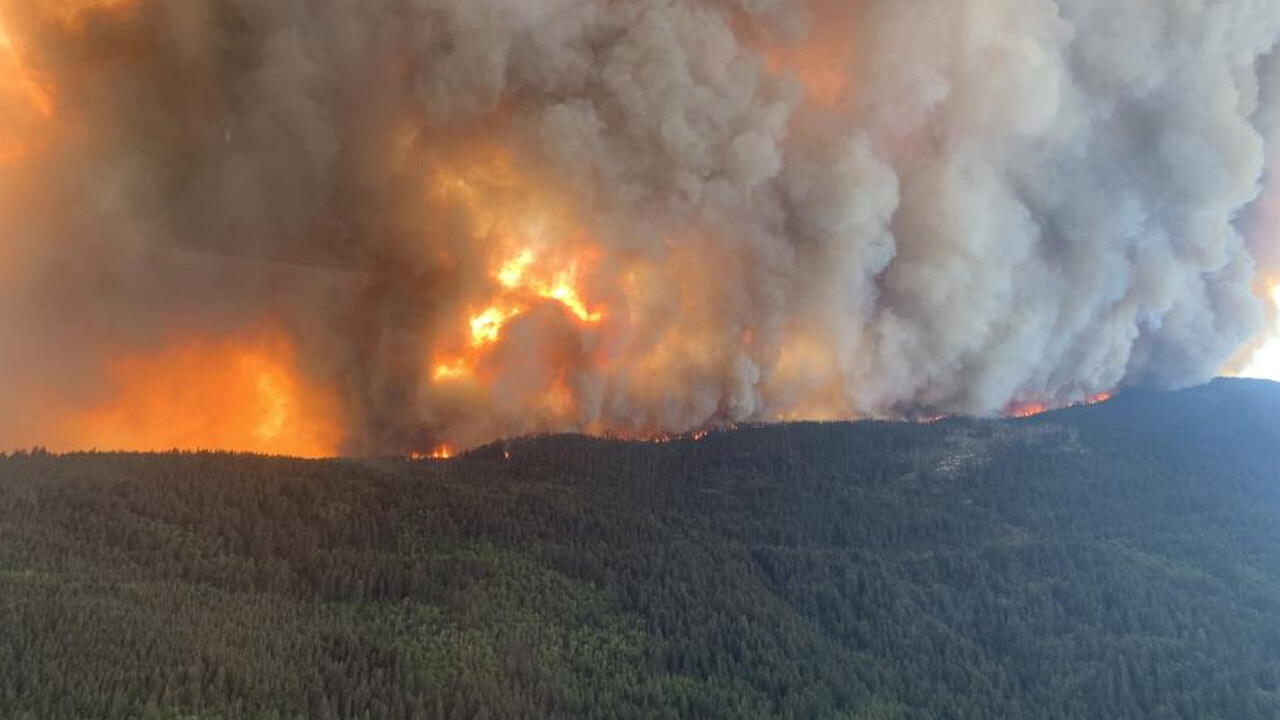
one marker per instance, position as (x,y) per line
(1003,200)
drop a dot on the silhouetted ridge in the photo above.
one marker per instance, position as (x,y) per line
(1113,561)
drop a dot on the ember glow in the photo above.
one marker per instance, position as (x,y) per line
(470,219)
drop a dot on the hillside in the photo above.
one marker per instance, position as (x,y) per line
(1115,561)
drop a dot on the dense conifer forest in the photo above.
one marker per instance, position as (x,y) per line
(1116,561)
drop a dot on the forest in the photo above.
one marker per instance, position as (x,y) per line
(1116,561)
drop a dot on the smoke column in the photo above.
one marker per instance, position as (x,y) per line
(424,222)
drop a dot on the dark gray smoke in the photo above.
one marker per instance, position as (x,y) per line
(779,208)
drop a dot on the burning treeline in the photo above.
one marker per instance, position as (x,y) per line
(322,226)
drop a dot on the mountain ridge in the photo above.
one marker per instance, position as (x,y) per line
(1119,560)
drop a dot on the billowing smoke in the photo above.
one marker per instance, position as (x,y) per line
(476,218)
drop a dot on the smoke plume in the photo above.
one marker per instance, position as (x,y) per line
(453,220)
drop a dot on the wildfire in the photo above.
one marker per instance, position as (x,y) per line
(486,327)
(450,370)
(441,452)
(563,289)
(538,255)
(244,395)
(1028,410)
(666,438)
(512,273)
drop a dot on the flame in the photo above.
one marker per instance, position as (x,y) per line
(441,452)
(511,274)
(1028,410)
(524,223)
(563,289)
(242,395)
(1031,409)
(451,370)
(487,324)
(528,256)
(486,327)
(538,254)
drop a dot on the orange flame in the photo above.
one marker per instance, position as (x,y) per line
(539,254)
(216,395)
(1028,410)
(1031,409)
(487,326)
(441,452)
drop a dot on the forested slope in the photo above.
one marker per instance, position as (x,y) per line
(1115,561)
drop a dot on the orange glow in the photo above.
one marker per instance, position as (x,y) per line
(662,438)
(825,60)
(17,80)
(441,452)
(511,274)
(26,103)
(564,291)
(451,370)
(20,84)
(536,253)
(71,12)
(1028,410)
(1032,409)
(486,327)
(823,75)
(28,97)
(214,395)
